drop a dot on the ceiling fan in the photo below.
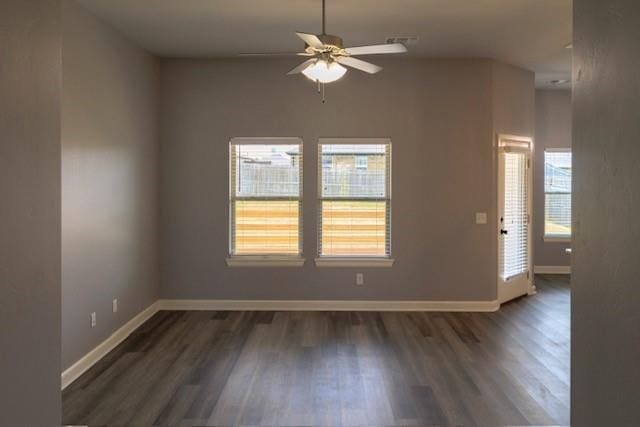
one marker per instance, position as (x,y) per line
(327,55)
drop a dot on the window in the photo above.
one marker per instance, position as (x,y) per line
(557,194)
(355,198)
(265,192)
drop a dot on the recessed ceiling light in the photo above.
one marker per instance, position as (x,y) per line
(559,82)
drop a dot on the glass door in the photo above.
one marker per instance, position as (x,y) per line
(514,218)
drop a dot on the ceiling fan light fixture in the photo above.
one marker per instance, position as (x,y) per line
(327,56)
(324,72)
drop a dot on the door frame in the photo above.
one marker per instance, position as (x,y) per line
(509,142)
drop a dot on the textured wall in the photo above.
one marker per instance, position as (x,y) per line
(439,116)
(606,243)
(553,130)
(109,181)
(30,68)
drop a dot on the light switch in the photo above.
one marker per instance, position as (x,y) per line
(481,217)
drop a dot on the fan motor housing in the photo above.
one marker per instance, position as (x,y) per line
(331,40)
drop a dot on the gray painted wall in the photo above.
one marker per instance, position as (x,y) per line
(30,67)
(440,117)
(606,244)
(513,93)
(109,181)
(553,130)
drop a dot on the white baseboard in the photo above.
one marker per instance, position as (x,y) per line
(552,269)
(90,359)
(327,305)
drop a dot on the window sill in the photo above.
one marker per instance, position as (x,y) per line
(557,239)
(264,261)
(354,262)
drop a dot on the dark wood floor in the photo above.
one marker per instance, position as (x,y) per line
(337,368)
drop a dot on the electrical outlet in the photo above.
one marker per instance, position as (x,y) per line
(93,319)
(359,279)
(115,305)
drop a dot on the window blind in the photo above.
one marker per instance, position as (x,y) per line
(265,193)
(515,221)
(354,214)
(557,193)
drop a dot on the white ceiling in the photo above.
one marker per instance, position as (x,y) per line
(528,33)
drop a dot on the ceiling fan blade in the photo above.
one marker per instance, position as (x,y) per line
(359,64)
(310,39)
(377,49)
(276,54)
(300,68)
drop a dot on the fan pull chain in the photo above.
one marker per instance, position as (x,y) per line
(321,89)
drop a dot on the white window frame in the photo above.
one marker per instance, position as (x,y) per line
(355,261)
(265,260)
(547,237)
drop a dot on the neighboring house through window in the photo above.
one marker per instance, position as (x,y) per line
(557,194)
(362,161)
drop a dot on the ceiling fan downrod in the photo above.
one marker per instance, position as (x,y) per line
(324,18)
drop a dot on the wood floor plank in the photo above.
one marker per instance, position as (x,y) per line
(215,368)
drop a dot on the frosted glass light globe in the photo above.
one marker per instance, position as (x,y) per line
(324,72)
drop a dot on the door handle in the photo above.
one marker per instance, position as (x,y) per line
(503,231)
